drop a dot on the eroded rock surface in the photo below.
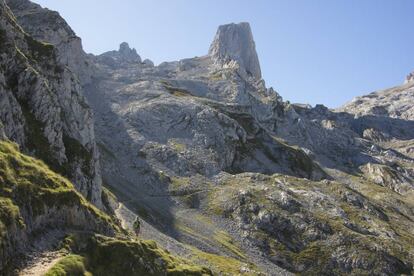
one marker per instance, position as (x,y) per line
(205,153)
(41,103)
(234,43)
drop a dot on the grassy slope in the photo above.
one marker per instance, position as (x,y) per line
(28,188)
(100,255)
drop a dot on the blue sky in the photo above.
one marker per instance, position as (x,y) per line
(311,51)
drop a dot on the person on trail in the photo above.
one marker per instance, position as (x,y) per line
(137,226)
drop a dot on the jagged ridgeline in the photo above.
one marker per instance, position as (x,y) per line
(204,158)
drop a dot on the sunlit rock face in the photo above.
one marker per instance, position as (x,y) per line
(314,190)
(42,106)
(47,25)
(234,42)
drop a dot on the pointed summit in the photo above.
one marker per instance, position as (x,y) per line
(128,54)
(409,78)
(235,42)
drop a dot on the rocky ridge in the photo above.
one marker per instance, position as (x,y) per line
(43,109)
(205,153)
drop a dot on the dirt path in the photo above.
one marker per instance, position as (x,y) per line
(41,264)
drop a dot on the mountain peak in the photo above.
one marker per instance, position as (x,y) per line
(127,53)
(235,42)
(409,78)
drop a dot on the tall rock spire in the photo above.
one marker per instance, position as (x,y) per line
(235,42)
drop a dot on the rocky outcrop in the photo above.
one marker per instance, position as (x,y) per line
(48,26)
(121,57)
(34,200)
(234,43)
(395,102)
(201,146)
(298,223)
(42,107)
(409,78)
(148,62)
(397,179)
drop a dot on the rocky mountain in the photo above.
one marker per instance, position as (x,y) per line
(234,43)
(200,156)
(43,109)
(395,102)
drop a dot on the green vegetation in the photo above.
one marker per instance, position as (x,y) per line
(72,265)
(177,146)
(217,76)
(77,153)
(222,265)
(352,222)
(180,182)
(28,184)
(224,239)
(110,256)
(176,91)
(38,143)
(39,50)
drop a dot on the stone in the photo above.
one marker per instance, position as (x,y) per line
(42,106)
(148,62)
(128,54)
(125,55)
(409,78)
(312,189)
(234,42)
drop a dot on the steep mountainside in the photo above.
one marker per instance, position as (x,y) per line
(43,110)
(190,131)
(217,167)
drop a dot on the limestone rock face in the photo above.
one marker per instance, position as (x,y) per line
(311,189)
(2,133)
(48,26)
(234,42)
(395,102)
(148,62)
(124,55)
(42,107)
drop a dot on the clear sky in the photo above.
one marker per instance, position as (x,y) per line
(311,51)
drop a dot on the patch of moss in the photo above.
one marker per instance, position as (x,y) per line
(72,265)
(38,143)
(27,183)
(180,182)
(178,147)
(225,240)
(216,76)
(110,256)
(176,91)
(76,153)
(39,50)
(9,215)
(222,265)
